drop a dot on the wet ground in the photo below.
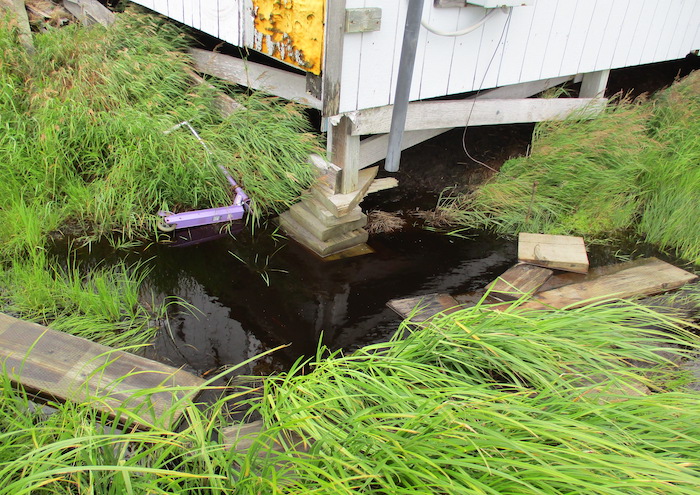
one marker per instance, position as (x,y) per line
(261,291)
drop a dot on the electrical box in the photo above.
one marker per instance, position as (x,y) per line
(487,4)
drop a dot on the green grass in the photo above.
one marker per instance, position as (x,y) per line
(84,155)
(477,402)
(632,167)
(85,121)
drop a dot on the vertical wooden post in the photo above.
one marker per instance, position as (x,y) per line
(333,57)
(593,84)
(346,154)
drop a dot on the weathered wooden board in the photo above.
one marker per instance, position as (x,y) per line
(553,251)
(256,76)
(65,367)
(322,248)
(441,114)
(243,436)
(642,279)
(342,204)
(424,307)
(518,281)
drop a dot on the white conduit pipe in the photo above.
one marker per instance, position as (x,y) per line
(461,32)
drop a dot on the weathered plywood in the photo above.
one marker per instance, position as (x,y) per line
(422,308)
(65,367)
(645,278)
(518,281)
(291,31)
(553,251)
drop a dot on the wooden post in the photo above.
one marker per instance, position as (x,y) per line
(593,84)
(17,10)
(346,154)
(333,57)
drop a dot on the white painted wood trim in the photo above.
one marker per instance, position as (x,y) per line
(441,114)
(373,149)
(256,76)
(593,84)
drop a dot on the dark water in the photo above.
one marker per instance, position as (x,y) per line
(274,292)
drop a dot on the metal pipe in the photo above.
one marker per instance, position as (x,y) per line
(403,84)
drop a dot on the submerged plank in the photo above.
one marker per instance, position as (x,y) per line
(643,278)
(69,368)
(422,308)
(560,252)
(518,281)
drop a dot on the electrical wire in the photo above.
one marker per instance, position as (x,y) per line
(461,32)
(483,79)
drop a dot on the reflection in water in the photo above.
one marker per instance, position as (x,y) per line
(259,293)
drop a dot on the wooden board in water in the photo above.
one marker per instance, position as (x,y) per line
(561,252)
(518,281)
(640,278)
(424,307)
(65,367)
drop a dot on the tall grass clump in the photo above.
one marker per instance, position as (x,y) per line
(671,214)
(481,402)
(632,167)
(109,304)
(476,402)
(88,113)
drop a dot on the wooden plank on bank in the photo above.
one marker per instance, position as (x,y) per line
(646,278)
(69,368)
(560,252)
(422,308)
(518,281)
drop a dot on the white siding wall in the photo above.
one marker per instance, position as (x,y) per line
(548,39)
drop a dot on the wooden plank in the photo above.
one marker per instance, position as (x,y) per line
(321,248)
(382,184)
(422,308)
(351,252)
(598,27)
(553,251)
(66,367)
(373,149)
(538,38)
(345,153)
(518,281)
(567,278)
(256,76)
(243,436)
(521,22)
(435,71)
(333,57)
(645,279)
(441,114)
(594,83)
(342,204)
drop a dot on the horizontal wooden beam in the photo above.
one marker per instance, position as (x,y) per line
(260,77)
(441,114)
(373,149)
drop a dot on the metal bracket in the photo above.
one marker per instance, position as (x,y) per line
(363,20)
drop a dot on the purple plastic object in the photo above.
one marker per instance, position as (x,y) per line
(196,218)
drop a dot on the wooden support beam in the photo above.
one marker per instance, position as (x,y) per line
(90,12)
(441,114)
(333,57)
(260,77)
(345,153)
(373,149)
(593,84)
(17,11)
